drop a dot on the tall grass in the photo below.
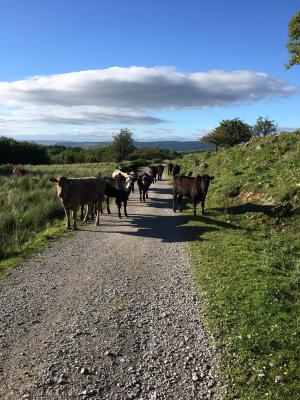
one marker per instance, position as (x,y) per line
(29,205)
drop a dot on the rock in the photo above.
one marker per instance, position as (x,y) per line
(195,377)
(278,378)
(84,371)
(62,380)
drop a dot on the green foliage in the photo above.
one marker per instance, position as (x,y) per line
(229,133)
(122,145)
(247,263)
(150,153)
(293,44)
(29,205)
(264,127)
(14,152)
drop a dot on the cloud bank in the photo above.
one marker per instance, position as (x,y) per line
(129,95)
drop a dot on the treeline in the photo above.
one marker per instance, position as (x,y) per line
(105,153)
(231,132)
(121,148)
(14,152)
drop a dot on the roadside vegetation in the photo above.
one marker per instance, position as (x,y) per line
(30,211)
(247,264)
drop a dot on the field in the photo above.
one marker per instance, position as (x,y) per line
(246,260)
(30,212)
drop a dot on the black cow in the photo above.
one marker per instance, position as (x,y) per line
(176,169)
(153,172)
(160,171)
(170,168)
(194,188)
(144,181)
(120,190)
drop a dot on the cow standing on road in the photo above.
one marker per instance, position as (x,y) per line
(76,191)
(153,172)
(144,181)
(194,188)
(170,168)
(160,171)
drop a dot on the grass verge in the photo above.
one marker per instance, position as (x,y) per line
(247,265)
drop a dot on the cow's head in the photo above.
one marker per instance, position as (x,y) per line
(206,179)
(62,186)
(130,184)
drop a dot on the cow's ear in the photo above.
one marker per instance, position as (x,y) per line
(55,180)
(212,178)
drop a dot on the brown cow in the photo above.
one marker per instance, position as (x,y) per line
(77,191)
(195,188)
(18,171)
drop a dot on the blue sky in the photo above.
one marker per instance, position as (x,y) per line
(186,54)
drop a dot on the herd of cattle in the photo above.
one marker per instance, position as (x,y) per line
(93,191)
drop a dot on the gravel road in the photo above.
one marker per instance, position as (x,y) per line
(108,313)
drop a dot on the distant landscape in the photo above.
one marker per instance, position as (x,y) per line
(172,145)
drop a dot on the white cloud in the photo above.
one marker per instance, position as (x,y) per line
(128,95)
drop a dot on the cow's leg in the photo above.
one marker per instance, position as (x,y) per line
(81,211)
(107,205)
(147,194)
(195,205)
(202,205)
(119,204)
(174,201)
(180,202)
(144,195)
(99,208)
(141,192)
(68,212)
(74,220)
(94,208)
(125,208)
(88,211)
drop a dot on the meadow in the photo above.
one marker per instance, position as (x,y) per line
(247,265)
(30,212)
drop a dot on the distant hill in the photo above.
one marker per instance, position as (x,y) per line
(170,145)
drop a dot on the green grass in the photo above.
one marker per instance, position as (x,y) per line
(30,212)
(247,265)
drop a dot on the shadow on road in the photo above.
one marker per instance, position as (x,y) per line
(163,225)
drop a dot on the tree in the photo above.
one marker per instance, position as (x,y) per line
(264,127)
(229,133)
(122,145)
(293,44)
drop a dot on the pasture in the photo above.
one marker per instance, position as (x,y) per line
(30,211)
(247,265)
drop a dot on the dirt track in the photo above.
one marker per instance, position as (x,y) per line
(108,313)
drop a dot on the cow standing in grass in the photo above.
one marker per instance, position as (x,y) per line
(194,188)
(77,191)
